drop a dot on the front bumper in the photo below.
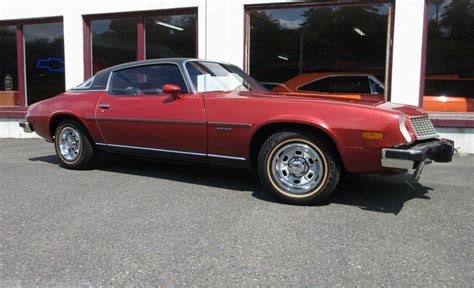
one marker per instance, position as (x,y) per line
(414,156)
(27,127)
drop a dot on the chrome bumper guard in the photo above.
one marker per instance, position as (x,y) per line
(27,128)
(415,156)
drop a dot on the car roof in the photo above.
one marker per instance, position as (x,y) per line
(101,78)
(179,61)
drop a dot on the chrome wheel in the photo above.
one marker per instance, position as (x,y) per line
(69,143)
(297,168)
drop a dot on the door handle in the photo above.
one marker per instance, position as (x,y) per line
(104,106)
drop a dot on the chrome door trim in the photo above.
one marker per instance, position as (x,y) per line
(153,149)
(146,120)
(243,125)
(224,124)
(226,157)
(172,151)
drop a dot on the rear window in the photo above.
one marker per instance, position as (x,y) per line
(339,84)
(350,84)
(86,85)
(96,82)
(322,85)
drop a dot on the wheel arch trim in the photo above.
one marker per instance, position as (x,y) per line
(54,118)
(313,125)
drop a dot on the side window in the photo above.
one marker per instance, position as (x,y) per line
(86,85)
(321,85)
(350,84)
(146,80)
(376,87)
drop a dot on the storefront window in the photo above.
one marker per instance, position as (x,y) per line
(331,51)
(44,61)
(449,79)
(114,41)
(170,36)
(8,67)
(133,36)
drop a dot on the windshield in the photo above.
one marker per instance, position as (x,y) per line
(211,76)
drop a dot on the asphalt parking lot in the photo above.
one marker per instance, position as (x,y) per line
(135,222)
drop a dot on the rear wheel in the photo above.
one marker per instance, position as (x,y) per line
(298,167)
(73,145)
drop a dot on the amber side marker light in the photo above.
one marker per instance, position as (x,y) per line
(372,135)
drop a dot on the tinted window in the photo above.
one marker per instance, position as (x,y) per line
(170,36)
(287,42)
(96,82)
(8,67)
(44,61)
(451,88)
(322,85)
(114,41)
(339,84)
(146,80)
(350,84)
(450,51)
(86,85)
(100,81)
(376,87)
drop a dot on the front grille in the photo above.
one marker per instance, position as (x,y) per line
(423,127)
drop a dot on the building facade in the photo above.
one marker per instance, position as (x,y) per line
(416,52)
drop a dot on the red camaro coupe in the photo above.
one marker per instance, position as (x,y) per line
(212,112)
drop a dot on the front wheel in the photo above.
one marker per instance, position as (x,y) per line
(298,167)
(73,146)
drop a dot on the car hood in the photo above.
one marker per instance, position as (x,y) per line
(383,105)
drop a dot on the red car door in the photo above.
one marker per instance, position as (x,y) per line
(135,115)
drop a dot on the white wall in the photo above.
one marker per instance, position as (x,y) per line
(9,128)
(462,138)
(220,32)
(72,11)
(407,51)
(220,24)
(221,37)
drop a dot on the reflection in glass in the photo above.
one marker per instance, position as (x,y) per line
(8,67)
(44,61)
(146,80)
(449,81)
(292,47)
(170,36)
(209,76)
(114,41)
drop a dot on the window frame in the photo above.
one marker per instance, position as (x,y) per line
(140,27)
(20,110)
